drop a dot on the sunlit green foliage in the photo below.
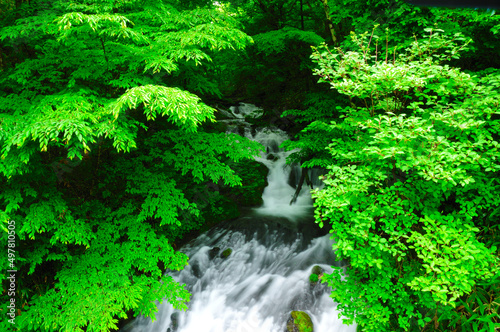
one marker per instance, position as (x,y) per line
(106,158)
(412,190)
(403,20)
(101,146)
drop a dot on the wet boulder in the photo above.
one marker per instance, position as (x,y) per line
(316,274)
(174,322)
(313,279)
(212,253)
(317,270)
(196,271)
(272,157)
(226,253)
(299,321)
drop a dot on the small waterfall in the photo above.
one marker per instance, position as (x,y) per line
(278,194)
(244,110)
(283,178)
(266,276)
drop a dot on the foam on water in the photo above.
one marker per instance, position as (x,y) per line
(278,194)
(267,274)
(254,289)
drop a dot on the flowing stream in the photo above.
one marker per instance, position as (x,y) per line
(266,276)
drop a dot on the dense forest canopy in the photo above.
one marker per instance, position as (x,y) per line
(111,153)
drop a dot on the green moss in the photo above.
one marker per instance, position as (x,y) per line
(301,322)
(317,270)
(226,253)
(313,278)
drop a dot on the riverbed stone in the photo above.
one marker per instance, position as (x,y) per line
(299,321)
(195,269)
(174,322)
(272,157)
(317,270)
(212,253)
(226,253)
(316,274)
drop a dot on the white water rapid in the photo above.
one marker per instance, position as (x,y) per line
(278,194)
(266,276)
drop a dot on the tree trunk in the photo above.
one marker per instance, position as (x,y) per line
(303,176)
(329,22)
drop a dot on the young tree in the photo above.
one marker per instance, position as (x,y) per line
(402,20)
(102,150)
(412,188)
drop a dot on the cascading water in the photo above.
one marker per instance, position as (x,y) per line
(266,276)
(278,194)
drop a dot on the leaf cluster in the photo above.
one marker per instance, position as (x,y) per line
(410,186)
(102,150)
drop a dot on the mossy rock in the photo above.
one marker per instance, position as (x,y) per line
(226,253)
(317,270)
(313,279)
(254,179)
(299,321)
(272,157)
(316,274)
(221,208)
